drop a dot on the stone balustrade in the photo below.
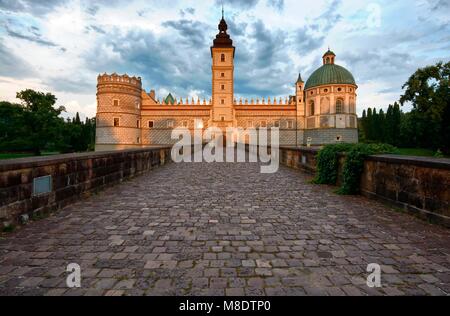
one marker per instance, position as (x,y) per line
(36,186)
(418,185)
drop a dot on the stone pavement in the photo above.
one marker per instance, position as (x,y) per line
(225,229)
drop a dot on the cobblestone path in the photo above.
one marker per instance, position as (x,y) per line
(225,229)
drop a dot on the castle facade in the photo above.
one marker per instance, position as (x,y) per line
(322,111)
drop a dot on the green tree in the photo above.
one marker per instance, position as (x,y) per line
(42,119)
(369,135)
(396,121)
(429,93)
(12,128)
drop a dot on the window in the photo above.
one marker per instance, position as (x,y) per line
(222,58)
(263,124)
(250,124)
(339,106)
(116,102)
(339,89)
(311,108)
(170,124)
(184,124)
(138,105)
(276,124)
(222,75)
(138,140)
(326,90)
(290,124)
(151,124)
(138,124)
(222,87)
(222,118)
(328,60)
(116,122)
(222,101)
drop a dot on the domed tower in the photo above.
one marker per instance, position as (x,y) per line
(330,97)
(118,112)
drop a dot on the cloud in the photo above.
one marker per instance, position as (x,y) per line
(191,32)
(277,4)
(31,6)
(239,4)
(12,65)
(312,36)
(32,36)
(160,60)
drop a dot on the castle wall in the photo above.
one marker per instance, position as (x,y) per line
(327,136)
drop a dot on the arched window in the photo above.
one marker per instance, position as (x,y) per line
(328,60)
(311,108)
(222,58)
(339,106)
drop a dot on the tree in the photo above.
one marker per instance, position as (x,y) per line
(389,126)
(429,93)
(42,119)
(369,135)
(396,121)
(12,127)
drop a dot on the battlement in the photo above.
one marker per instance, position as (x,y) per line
(184,102)
(119,79)
(281,102)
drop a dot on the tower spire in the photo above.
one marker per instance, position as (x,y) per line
(223,12)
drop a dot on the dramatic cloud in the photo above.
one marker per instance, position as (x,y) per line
(61,45)
(37,7)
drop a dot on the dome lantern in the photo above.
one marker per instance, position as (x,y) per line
(329,73)
(329,57)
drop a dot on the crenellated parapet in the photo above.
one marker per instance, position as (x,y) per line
(262,101)
(115,83)
(185,102)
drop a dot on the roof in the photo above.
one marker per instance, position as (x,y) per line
(329,52)
(330,74)
(169,99)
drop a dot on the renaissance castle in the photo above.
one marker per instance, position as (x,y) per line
(322,111)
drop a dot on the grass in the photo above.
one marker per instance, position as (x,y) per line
(4,156)
(416,152)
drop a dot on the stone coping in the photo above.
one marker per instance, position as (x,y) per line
(429,162)
(32,162)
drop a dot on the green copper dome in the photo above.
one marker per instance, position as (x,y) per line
(330,74)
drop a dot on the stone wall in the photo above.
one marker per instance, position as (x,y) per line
(418,185)
(72,176)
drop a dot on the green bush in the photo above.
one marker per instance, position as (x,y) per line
(328,163)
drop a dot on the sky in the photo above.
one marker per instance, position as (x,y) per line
(60,46)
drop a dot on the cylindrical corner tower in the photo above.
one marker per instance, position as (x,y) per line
(118,112)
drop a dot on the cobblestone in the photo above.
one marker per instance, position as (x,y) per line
(225,229)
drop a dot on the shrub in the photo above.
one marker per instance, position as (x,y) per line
(328,163)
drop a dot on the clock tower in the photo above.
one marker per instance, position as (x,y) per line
(222,53)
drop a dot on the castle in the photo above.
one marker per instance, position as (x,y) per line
(322,111)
